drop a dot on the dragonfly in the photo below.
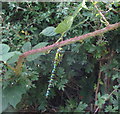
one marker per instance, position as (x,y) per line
(57,60)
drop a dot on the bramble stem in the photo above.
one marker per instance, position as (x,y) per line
(63,43)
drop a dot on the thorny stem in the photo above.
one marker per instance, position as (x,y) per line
(100,13)
(63,43)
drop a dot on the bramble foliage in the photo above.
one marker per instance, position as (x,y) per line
(84,65)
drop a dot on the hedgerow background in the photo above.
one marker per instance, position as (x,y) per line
(88,77)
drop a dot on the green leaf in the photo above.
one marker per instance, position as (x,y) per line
(64,25)
(4,48)
(35,56)
(40,45)
(49,31)
(101,100)
(115,76)
(111,109)
(14,58)
(116,86)
(105,97)
(92,48)
(60,71)
(6,56)
(81,107)
(26,47)
(12,96)
(61,85)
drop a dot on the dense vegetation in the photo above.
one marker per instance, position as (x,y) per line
(87,78)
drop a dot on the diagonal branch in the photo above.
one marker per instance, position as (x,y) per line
(63,43)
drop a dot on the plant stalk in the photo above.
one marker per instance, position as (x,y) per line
(63,43)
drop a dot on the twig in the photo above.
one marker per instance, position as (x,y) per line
(79,24)
(115,69)
(100,13)
(96,110)
(63,43)
(71,40)
(98,84)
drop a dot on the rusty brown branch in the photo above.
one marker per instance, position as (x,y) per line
(65,42)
